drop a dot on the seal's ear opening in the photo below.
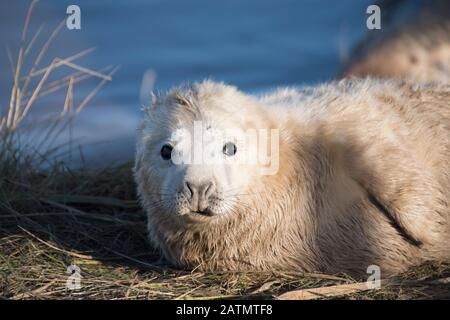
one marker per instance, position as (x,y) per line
(179,98)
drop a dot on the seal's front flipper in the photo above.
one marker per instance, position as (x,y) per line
(401,188)
(405,233)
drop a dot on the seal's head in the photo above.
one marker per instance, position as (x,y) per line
(207,175)
(200,150)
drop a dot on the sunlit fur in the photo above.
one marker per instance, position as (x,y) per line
(343,144)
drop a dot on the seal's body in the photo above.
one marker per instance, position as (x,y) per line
(363,179)
(412,44)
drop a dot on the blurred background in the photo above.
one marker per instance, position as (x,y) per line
(253,44)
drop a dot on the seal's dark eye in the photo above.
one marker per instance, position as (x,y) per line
(229,149)
(166,152)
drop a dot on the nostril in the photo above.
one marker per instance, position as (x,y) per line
(190,189)
(208,190)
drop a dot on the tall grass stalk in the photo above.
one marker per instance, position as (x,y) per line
(21,160)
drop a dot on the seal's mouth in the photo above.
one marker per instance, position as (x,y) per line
(205,213)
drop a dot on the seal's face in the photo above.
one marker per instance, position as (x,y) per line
(195,157)
(198,169)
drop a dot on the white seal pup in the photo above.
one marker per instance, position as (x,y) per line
(362,177)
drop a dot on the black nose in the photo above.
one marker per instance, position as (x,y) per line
(199,194)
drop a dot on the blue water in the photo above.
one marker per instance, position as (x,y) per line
(253,44)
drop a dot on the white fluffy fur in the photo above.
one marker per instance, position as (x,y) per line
(364,178)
